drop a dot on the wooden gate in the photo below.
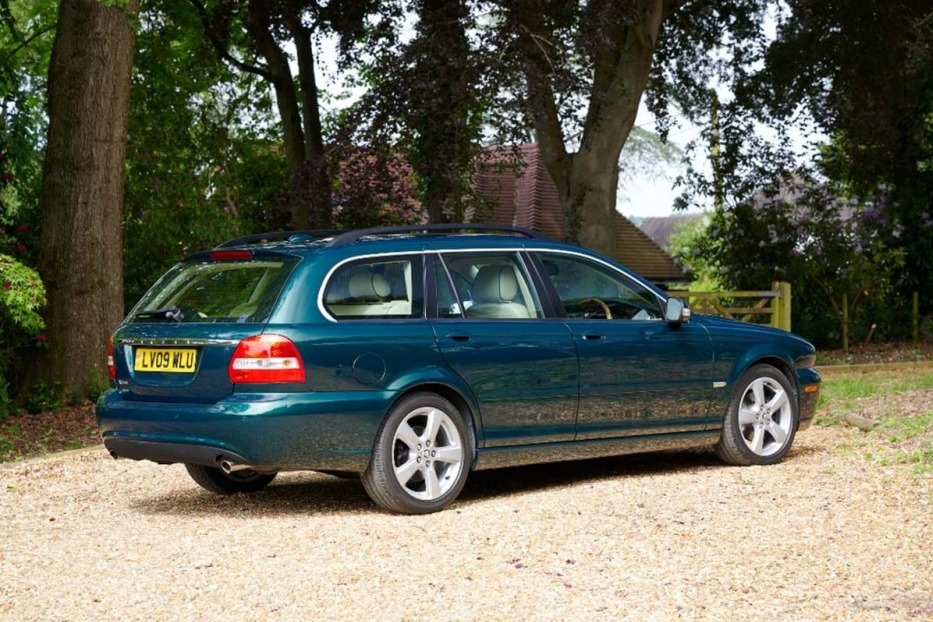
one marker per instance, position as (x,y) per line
(761,307)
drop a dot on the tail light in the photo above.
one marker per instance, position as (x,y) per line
(111,366)
(266,358)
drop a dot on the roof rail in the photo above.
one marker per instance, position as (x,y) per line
(349,237)
(278,236)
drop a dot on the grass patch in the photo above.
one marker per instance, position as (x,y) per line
(840,390)
(900,429)
(904,432)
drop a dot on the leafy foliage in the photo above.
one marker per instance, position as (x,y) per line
(827,248)
(426,100)
(25,45)
(21,296)
(856,71)
(868,83)
(199,168)
(686,246)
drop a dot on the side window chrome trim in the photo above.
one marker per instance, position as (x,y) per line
(614,268)
(330,273)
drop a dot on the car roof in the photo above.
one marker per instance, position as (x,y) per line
(409,238)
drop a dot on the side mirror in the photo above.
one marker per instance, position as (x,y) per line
(676,311)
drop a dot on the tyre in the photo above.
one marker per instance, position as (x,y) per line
(216,481)
(761,419)
(421,456)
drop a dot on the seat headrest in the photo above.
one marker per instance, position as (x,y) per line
(369,285)
(495,284)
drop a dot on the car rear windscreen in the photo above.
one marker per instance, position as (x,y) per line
(216,291)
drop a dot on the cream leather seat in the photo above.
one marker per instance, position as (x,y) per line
(494,291)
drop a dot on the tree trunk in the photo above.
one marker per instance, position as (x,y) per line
(81,243)
(317,211)
(444,142)
(309,199)
(587,179)
(259,25)
(589,205)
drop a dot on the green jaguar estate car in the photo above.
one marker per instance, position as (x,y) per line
(411,356)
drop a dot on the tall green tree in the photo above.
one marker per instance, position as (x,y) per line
(859,73)
(864,72)
(425,100)
(585,66)
(80,255)
(204,161)
(255,37)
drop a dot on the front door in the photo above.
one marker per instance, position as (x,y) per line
(638,374)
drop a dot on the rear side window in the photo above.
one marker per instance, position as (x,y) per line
(216,291)
(380,288)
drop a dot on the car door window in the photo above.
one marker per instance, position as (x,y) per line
(489,285)
(590,290)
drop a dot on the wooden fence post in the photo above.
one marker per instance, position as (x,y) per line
(781,306)
(784,288)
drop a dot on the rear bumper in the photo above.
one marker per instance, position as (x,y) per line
(269,432)
(169,453)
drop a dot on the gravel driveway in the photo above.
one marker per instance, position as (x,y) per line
(825,535)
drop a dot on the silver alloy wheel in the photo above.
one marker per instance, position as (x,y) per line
(427,455)
(765,416)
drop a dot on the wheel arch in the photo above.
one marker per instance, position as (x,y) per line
(764,354)
(466,407)
(778,363)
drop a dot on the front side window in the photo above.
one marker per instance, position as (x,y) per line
(588,289)
(486,285)
(385,287)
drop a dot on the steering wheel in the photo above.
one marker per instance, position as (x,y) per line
(602,305)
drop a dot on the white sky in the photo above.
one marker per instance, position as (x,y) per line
(652,192)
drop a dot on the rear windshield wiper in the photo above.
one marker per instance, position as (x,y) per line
(168,314)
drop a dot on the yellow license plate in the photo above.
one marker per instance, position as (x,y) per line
(177,360)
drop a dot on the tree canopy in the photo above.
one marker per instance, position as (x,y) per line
(860,75)
(233,126)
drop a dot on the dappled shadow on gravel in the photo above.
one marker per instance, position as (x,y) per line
(289,494)
(519,480)
(315,494)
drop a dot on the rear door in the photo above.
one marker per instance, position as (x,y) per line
(177,342)
(491,330)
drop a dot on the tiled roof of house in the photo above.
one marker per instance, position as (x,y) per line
(527,197)
(660,228)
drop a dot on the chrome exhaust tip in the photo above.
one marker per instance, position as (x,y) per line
(229,467)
